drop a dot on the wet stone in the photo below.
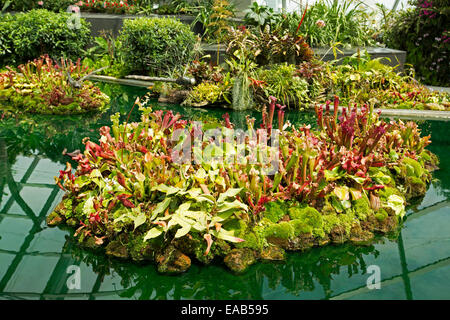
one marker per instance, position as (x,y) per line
(117,250)
(172,260)
(238,260)
(273,253)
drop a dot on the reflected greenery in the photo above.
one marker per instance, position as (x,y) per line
(307,271)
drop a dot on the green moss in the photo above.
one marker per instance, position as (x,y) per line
(381,214)
(238,226)
(67,208)
(329,222)
(253,240)
(306,219)
(361,207)
(283,230)
(300,227)
(345,220)
(142,250)
(386,192)
(274,211)
(416,181)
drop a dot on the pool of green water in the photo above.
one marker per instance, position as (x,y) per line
(34,259)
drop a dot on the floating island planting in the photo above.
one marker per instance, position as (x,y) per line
(133,197)
(45,86)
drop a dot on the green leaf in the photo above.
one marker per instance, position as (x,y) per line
(397,204)
(342,193)
(226,235)
(161,207)
(153,233)
(183,231)
(230,193)
(140,218)
(169,190)
(95,174)
(232,205)
(332,175)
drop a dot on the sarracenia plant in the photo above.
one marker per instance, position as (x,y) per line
(131,181)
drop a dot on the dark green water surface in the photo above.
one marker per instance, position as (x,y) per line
(34,258)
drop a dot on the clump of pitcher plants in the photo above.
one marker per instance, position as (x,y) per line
(42,86)
(162,190)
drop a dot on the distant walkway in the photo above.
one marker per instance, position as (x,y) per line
(441,89)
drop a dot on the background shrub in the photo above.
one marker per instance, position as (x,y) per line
(155,46)
(25,5)
(424,33)
(25,36)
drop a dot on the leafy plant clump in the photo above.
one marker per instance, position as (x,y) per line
(423,31)
(361,79)
(26,36)
(155,46)
(42,86)
(132,196)
(346,22)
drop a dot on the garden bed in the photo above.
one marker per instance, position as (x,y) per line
(346,181)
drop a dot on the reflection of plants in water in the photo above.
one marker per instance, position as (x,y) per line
(440,146)
(45,135)
(300,273)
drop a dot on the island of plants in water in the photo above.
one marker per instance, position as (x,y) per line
(46,86)
(234,199)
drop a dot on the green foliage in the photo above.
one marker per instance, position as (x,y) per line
(326,22)
(424,33)
(215,18)
(131,183)
(206,93)
(413,167)
(25,36)
(282,230)
(105,52)
(42,86)
(155,46)
(282,81)
(361,78)
(274,211)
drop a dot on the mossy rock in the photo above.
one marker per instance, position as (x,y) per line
(299,243)
(387,225)
(415,187)
(195,247)
(117,249)
(90,242)
(238,260)
(361,237)
(273,253)
(141,250)
(338,234)
(54,219)
(275,211)
(171,260)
